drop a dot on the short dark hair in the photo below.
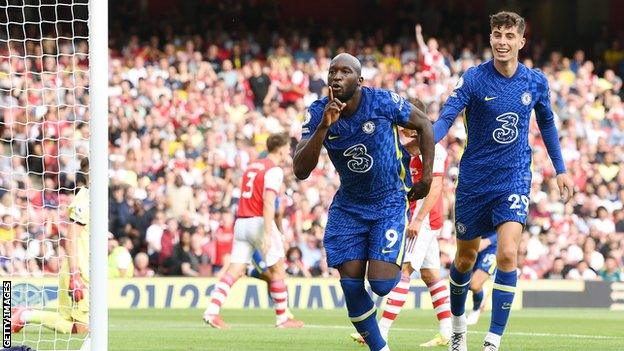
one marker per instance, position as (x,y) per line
(124,240)
(275,141)
(507,19)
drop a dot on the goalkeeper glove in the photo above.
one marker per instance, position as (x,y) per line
(76,286)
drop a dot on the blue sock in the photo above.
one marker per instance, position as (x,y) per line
(459,284)
(502,298)
(362,312)
(258,264)
(477,299)
(254,273)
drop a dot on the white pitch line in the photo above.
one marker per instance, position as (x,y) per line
(575,336)
(345,327)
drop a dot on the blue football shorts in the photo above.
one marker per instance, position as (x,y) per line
(357,230)
(478,214)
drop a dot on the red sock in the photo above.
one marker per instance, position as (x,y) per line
(440,299)
(394,303)
(279,294)
(219,294)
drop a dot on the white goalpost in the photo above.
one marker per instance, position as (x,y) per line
(53,115)
(98,60)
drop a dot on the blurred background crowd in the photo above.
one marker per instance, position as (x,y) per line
(190,106)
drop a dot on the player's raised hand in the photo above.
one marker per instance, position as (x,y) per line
(333,109)
(419,190)
(418,28)
(566,187)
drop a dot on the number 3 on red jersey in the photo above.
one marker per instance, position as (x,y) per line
(249,185)
(261,175)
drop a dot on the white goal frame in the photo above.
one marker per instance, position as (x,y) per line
(98,173)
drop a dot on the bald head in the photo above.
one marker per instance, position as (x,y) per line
(348,60)
(344,76)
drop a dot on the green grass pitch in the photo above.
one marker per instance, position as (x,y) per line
(183,329)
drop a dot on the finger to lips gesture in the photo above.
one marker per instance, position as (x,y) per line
(333,109)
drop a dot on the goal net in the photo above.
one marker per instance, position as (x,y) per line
(44,137)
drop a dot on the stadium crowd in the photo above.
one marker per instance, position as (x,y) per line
(188,112)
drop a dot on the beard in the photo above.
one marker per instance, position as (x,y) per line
(346,95)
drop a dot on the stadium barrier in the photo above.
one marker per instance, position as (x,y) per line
(304,293)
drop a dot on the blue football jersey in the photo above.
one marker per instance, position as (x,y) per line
(365,147)
(497,155)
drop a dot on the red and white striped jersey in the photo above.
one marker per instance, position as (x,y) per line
(260,176)
(440,163)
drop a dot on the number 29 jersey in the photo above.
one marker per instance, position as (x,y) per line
(497,155)
(365,147)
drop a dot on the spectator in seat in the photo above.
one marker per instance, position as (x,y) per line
(180,198)
(120,261)
(604,222)
(259,83)
(187,256)
(612,271)
(200,260)
(294,264)
(582,272)
(556,271)
(141,266)
(119,212)
(153,237)
(311,253)
(169,239)
(591,256)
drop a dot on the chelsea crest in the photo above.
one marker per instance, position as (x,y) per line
(368,127)
(526,98)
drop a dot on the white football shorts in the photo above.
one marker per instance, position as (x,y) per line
(248,233)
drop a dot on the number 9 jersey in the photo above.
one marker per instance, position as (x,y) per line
(367,218)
